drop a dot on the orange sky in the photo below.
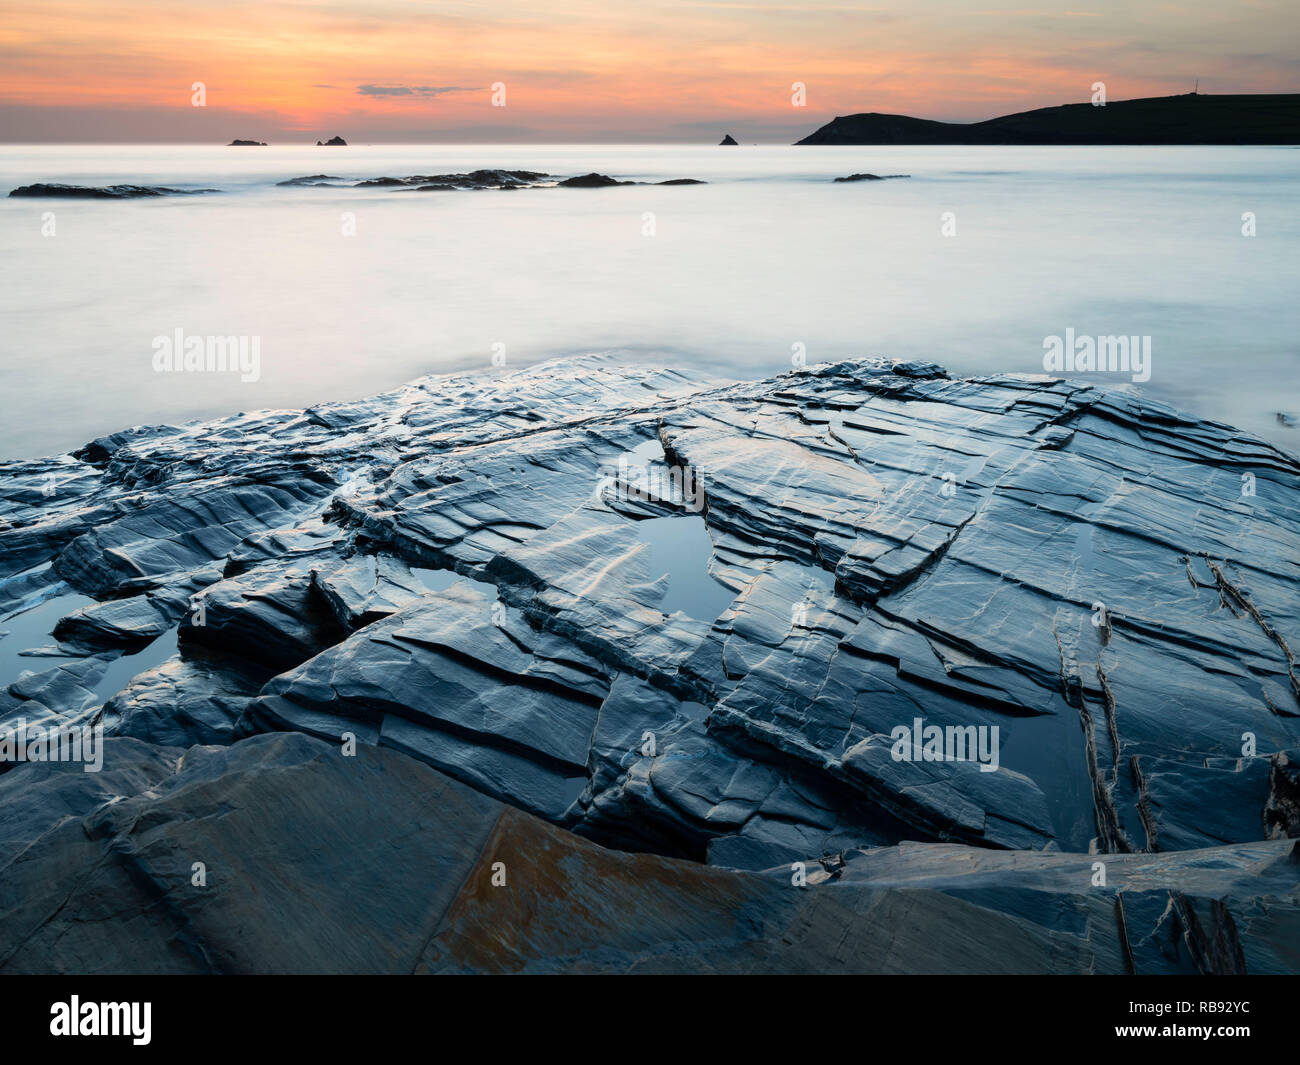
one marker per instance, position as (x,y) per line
(578,70)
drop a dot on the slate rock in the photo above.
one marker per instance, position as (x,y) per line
(1073,567)
(428,875)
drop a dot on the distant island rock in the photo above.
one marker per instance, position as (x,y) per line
(333,142)
(104,192)
(1190,119)
(246,144)
(870,177)
(728,139)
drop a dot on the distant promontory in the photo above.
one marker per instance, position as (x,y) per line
(1189,119)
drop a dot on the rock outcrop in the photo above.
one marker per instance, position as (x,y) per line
(102,192)
(246,144)
(482,179)
(333,142)
(870,177)
(475,179)
(728,140)
(310,180)
(1031,624)
(602,181)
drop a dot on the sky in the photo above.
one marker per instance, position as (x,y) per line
(394,71)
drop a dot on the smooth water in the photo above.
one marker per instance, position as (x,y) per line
(728,277)
(27,645)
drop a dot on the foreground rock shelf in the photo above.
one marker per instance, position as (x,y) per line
(426,875)
(462,575)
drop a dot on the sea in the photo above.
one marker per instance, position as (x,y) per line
(976,260)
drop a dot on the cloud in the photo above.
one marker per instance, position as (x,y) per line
(410,90)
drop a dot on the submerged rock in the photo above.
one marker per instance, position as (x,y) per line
(807,619)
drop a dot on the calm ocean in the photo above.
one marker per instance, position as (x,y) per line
(972,262)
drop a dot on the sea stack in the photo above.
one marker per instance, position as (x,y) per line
(727,140)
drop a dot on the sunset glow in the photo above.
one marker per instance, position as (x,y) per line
(75,70)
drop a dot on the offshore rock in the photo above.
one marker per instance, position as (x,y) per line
(602,181)
(310,179)
(103,192)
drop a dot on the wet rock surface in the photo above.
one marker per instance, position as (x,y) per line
(1031,623)
(427,875)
